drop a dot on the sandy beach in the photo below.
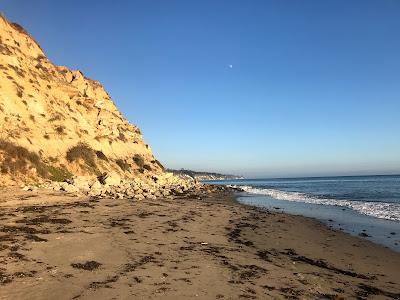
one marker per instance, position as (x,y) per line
(56,246)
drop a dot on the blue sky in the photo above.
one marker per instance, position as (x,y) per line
(314,87)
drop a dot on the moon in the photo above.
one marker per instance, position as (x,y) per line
(230,66)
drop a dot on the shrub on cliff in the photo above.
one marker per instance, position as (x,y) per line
(16,159)
(60,130)
(123,164)
(84,152)
(139,161)
(101,155)
(58,174)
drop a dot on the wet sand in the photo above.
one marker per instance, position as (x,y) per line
(56,246)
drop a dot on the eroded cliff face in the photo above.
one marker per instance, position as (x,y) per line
(55,122)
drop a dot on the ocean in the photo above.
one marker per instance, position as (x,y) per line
(367,206)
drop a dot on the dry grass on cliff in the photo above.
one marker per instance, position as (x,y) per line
(101,155)
(139,160)
(84,152)
(17,159)
(58,174)
(123,164)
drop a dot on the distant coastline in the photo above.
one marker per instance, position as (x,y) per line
(203,176)
(313,177)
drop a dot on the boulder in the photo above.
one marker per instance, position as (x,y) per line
(69,188)
(139,197)
(96,185)
(83,183)
(112,179)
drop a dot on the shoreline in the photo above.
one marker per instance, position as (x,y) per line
(58,246)
(365,206)
(383,232)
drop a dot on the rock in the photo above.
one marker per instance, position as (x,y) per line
(130,193)
(139,197)
(69,188)
(102,178)
(82,183)
(112,186)
(112,179)
(363,234)
(95,193)
(96,185)
(29,188)
(56,187)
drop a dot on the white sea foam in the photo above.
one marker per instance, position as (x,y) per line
(383,210)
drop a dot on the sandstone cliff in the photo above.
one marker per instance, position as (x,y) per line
(55,122)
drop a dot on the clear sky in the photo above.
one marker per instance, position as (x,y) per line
(259,88)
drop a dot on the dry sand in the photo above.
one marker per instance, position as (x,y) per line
(55,246)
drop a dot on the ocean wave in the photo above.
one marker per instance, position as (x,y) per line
(382,210)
